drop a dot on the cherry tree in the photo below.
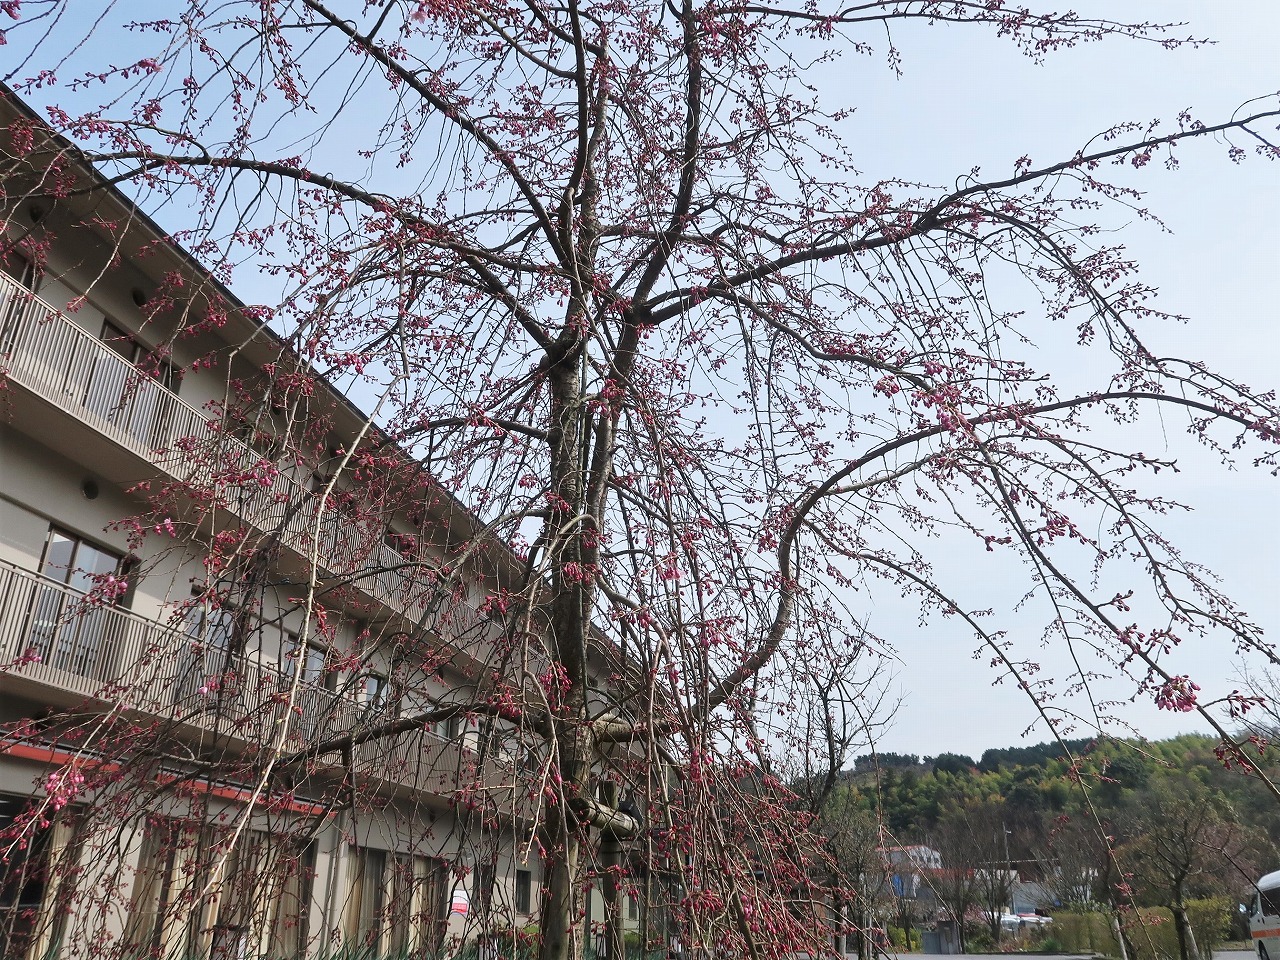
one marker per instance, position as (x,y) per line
(606,273)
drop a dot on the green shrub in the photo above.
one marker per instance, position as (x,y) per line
(978,937)
(1211,921)
(1085,933)
(1154,936)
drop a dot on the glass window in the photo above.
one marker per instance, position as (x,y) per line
(18,266)
(59,552)
(22,881)
(449,729)
(155,884)
(212,623)
(14,302)
(80,565)
(157,368)
(1271,902)
(64,630)
(122,391)
(211,663)
(313,668)
(432,882)
(368,896)
(313,660)
(482,895)
(524,891)
(374,691)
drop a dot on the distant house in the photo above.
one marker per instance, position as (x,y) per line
(918,855)
(908,869)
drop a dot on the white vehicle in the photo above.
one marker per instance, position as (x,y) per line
(1264,922)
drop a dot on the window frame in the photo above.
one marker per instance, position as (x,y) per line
(523,894)
(27,278)
(116,338)
(67,629)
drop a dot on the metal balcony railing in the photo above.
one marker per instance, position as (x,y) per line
(49,354)
(55,636)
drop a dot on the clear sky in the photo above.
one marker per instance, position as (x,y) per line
(968,100)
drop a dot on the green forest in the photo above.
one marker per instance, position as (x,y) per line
(1135,848)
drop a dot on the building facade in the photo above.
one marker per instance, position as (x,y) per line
(240,640)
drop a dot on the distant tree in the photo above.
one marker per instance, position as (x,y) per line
(955,763)
(1038,754)
(1075,855)
(861,891)
(991,861)
(1183,843)
(838,708)
(886,761)
(955,884)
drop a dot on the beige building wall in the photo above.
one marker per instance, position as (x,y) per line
(57,471)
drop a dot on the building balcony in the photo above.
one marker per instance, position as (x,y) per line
(59,362)
(59,647)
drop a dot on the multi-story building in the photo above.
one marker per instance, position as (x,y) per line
(206,750)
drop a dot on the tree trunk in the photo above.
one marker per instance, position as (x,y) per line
(1186,936)
(570,613)
(1122,939)
(560,906)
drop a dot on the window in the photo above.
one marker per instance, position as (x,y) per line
(405,544)
(66,631)
(288,925)
(14,297)
(527,761)
(313,661)
(315,698)
(121,390)
(367,899)
(212,623)
(1271,902)
(19,268)
(397,562)
(524,891)
(211,664)
(431,896)
(264,896)
(483,881)
(373,693)
(159,369)
(23,880)
(338,532)
(154,921)
(449,729)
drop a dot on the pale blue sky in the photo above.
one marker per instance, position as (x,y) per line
(968,100)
